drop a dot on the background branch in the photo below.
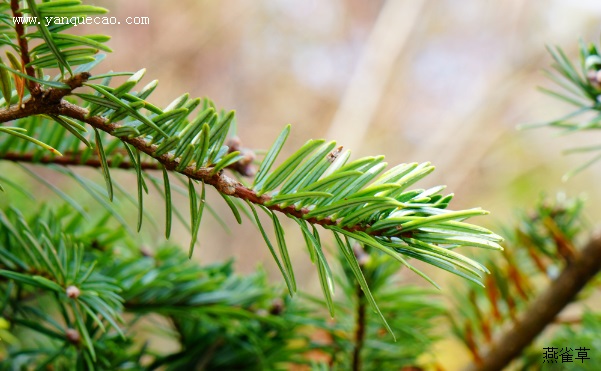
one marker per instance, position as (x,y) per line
(361,319)
(360,328)
(74,159)
(544,308)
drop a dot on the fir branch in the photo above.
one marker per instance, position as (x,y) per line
(351,207)
(48,104)
(579,85)
(223,183)
(543,310)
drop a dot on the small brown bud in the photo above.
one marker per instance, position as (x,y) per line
(277,307)
(146,252)
(244,166)
(73,292)
(249,157)
(594,77)
(72,336)
(234,143)
(334,154)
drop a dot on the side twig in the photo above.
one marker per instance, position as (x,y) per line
(359,328)
(361,318)
(33,86)
(74,159)
(544,309)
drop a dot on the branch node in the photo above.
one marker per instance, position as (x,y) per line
(226,185)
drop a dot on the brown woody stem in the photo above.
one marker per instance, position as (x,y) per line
(72,159)
(359,328)
(543,310)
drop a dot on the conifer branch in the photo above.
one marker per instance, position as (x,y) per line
(544,309)
(359,212)
(223,183)
(51,103)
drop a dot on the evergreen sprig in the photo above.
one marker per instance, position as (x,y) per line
(541,245)
(217,318)
(45,261)
(359,332)
(315,186)
(580,86)
(66,283)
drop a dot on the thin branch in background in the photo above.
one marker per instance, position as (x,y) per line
(360,328)
(243,167)
(544,309)
(209,354)
(72,159)
(361,319)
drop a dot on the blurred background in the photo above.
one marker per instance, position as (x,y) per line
(440,81)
